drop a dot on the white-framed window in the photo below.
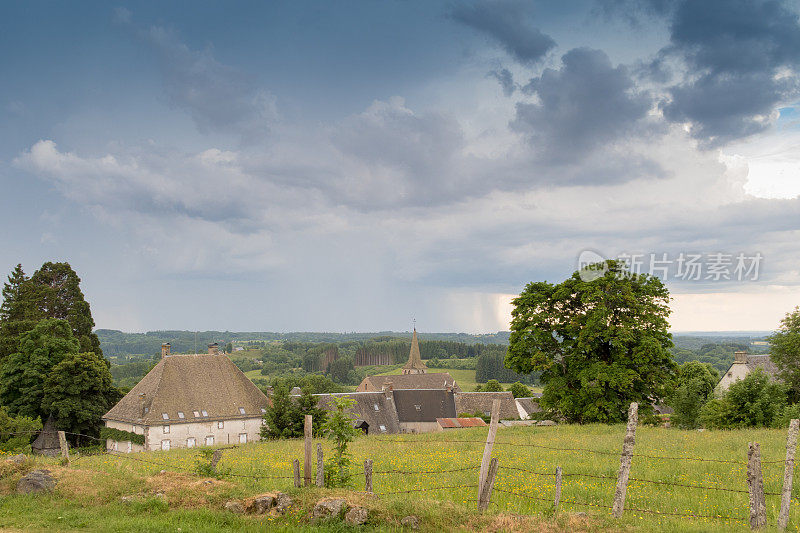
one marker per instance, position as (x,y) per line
(165,416)
(375,405)
(220,425)
(263,411)
(241,410)
(166,429)
(135,427)
(205,413)
(210,440)
(165,444)
(115,446)
(180,415)
(146,410)
(242,438)
(382,428)
(190,442)
(196,414)
(130,446)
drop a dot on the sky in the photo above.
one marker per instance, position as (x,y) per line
(353,165)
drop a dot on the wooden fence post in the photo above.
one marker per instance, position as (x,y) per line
(62,442)
(297,481)
(625,461)
(486,491)
(307,462)
(215,458)
(558,489)
(320,467)
(755,485)
(368,476)
(487,450)
(788,471)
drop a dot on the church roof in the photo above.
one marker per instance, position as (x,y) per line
(206,384)
(414,357)
(410,381)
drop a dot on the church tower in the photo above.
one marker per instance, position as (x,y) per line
(415,364)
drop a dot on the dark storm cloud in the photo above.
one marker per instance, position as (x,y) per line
(586,103)
(509,24)
(506,80)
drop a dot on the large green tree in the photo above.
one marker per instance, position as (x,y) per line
(56,293)
(15,312)
(785,352)
(694,387)
(24,372)
(600,342)
(78,391)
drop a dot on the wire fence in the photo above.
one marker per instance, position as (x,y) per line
(454,487)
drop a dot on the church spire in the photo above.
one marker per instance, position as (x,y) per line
(414,364)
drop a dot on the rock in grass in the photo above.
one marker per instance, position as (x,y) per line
(328,507)
(234,507)
(410,521)
(356,516)
(36,481)
(282,503)
(18,459)
(546,423)
(261,504)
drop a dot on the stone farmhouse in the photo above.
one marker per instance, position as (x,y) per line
(187,401)
(743,364)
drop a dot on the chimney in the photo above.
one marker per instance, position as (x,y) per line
(740,357)
(141,405)
(165,349)
(387,389)
(448,387)
(213,349)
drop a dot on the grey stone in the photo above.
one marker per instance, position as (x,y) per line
(546,423)
(328,507)
(579,514)
(18,459)
(234,507)
(282,503)
(410,521)
(129,499)
(261,504)
(36,481)
(356,516)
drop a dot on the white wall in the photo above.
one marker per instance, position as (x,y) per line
(178,435)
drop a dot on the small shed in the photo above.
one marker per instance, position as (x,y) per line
(47,441)
(362,425)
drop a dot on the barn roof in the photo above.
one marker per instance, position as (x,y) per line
(372,407)
(481,402)
(202,383)
(424,405)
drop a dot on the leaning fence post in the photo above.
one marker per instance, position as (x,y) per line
(307,461)
(368,475)
(62,442)
(486,491)
(755,485)
(788,471)
(558,489)
(487,450)
(320,467)
(296,465)
(625,461)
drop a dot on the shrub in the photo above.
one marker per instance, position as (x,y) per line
(518,390)
(339,428)
(750,402)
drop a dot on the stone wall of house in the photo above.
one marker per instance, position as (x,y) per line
(737,371)
(419,427)
(189,434)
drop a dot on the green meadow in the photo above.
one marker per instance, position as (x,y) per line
(164,495)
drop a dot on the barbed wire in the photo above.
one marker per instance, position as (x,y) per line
(427,489)
(411,472)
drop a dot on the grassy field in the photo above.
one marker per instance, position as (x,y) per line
(88,495)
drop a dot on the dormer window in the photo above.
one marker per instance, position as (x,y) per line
(196,414)
(205,413)
(375,406)
(165,416)
(263,411)
(146,410)
(418,407)
(180,415)
(382,428)
(241,410)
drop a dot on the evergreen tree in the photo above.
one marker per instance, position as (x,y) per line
(14,313)
(56,293)
(78,391)
(24,373)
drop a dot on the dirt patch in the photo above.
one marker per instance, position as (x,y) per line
(184,490)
